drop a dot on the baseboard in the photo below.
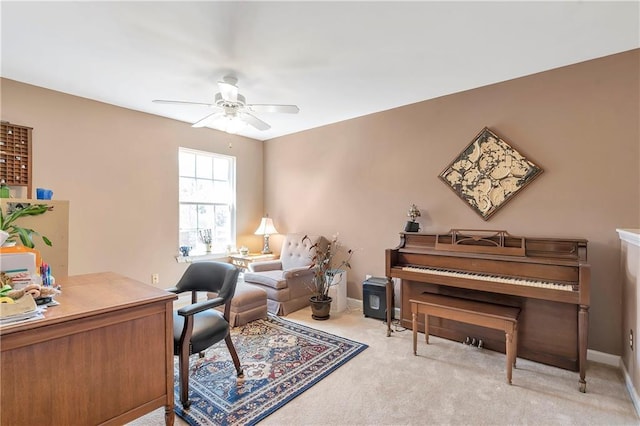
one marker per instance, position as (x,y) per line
(635,399)
(616,361)
(354,304)
(603,358)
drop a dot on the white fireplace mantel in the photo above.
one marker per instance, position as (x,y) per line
(632,236)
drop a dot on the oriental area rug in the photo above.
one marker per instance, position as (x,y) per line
(280,359)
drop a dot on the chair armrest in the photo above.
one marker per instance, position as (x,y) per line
(300,271)
(200,306)
(265,265)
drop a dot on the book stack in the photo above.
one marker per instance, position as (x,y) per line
(23,309)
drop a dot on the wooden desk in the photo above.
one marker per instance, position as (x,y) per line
(103,356)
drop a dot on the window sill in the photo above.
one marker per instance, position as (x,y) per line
(199,257)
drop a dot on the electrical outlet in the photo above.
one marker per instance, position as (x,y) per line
(155,278)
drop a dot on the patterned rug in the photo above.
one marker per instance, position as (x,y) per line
(281,359)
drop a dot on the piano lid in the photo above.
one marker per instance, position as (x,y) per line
(494,243)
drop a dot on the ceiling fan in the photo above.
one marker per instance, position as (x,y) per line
(232,110)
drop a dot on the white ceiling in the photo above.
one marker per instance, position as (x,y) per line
(335,60)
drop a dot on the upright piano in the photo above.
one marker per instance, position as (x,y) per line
(547,278)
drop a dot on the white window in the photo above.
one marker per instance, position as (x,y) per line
(207,200)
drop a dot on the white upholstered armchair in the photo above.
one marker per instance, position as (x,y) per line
(288,279)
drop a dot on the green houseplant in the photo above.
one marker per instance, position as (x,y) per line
(324,263)
(25,235)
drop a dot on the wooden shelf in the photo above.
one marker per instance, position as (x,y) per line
(15,155)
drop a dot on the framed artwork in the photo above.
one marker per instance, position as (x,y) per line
(488,173)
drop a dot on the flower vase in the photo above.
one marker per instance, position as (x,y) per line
(208,248)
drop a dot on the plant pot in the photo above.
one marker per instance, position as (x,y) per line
(320,308)
(3,236)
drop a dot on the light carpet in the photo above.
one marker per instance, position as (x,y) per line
(281,359)
(448,383)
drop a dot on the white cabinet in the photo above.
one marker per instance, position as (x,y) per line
(630,275)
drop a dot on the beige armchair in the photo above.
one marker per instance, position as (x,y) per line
(287,280)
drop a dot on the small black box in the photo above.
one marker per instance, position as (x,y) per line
(374,298)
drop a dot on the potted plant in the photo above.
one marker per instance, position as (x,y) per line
(324,265)
(25,235)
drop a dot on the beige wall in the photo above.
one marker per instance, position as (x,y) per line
(580,123)
(118,168)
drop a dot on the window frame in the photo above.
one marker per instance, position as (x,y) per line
(199,249)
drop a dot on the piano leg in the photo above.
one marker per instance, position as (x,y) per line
(414,326)
(583,332)
(389,293)
(414,316)
(426,328)
(515,346)
(511,348)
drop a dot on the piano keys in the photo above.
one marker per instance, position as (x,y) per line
(547,278)
(489,277)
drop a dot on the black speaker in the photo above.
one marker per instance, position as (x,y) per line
(374,298)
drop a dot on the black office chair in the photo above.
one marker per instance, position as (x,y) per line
(199,325)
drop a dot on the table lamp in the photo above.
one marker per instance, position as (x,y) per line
(266,228)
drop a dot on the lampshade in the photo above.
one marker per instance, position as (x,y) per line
(266,227)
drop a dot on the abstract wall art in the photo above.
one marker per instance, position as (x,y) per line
(488,173)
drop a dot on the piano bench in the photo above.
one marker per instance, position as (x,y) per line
(482,314)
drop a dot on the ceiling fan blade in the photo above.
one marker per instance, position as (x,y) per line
(254,121)
(163,101)
(228,90)
(207,120)
(289,109)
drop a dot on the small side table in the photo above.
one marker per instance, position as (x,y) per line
(243,261)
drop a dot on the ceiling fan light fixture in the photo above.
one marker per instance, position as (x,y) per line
(234,125)
(231,124)
(233,112)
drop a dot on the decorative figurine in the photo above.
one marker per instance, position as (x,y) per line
(412,225)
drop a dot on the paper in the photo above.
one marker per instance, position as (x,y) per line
(18,262)
(24,305)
